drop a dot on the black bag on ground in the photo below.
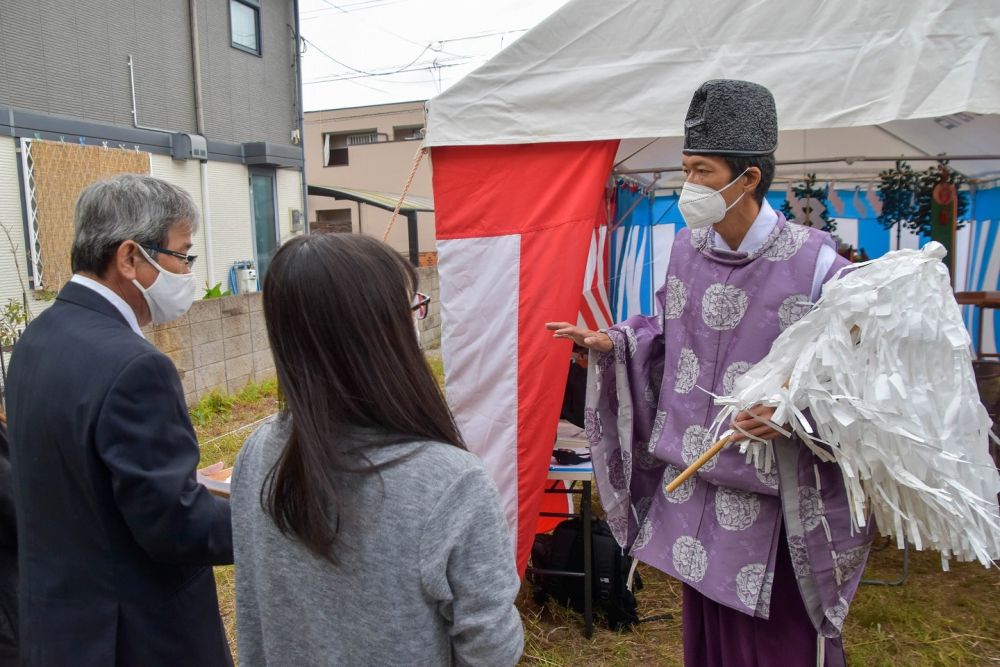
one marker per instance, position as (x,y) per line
(563,550)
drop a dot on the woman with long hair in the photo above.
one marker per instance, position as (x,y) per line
(364,532)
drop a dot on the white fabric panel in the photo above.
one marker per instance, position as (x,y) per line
(663,242)
(636,251)
(482,275)
(963,243)
(847,231)
(978,255)
(992,259)
(612,70)
(908,240)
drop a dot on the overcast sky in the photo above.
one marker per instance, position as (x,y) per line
(415,48)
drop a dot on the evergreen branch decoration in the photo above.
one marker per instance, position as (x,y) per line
(813,203)
(907,194)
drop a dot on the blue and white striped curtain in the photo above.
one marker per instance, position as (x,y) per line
(640,246)
(983,272)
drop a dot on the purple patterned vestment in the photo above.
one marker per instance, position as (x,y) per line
(648,416)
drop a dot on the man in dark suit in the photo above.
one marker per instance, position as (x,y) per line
(115,536)
(8,556)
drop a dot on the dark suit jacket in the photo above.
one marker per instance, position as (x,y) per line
(8,559)
(114,534)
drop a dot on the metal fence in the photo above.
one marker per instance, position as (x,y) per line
(4,358)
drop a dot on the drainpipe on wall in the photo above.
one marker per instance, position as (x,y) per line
(135,112)
(199,112)
(300,103)
(201,131)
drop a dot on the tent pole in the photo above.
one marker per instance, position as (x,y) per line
(849,159)
(411,224)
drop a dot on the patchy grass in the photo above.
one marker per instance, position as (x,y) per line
(437,367)
(935,619)
(223,423)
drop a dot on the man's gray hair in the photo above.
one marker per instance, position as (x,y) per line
(126,207)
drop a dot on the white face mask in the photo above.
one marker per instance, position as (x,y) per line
(701,206)
(170,295)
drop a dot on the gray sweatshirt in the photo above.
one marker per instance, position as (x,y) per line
(425,572)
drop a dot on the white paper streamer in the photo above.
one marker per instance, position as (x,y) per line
(883,364)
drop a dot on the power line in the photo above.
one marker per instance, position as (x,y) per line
(383,29)
(480,36)
(363,76)
(348,8)
(393,69)
(361,71)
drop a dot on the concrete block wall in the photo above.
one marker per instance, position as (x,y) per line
(220,345)
(430,327)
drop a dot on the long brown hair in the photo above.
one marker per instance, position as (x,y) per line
(351,372)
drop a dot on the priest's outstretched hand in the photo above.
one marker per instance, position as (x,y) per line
(592,340)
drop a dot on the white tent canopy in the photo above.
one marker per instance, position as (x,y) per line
(850,78)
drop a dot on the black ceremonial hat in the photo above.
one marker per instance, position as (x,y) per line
(733,118)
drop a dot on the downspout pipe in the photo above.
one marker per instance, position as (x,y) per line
(301,114)
(199,119)
(199,113)
(135,112)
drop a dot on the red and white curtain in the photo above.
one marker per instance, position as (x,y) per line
(519,227)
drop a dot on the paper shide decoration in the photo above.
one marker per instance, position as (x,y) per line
(883,366)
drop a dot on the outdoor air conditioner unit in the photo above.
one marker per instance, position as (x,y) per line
(185,146)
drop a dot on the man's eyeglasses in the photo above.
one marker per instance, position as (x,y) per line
(420,305)
(187,259)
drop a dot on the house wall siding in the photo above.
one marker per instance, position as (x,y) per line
(70,58)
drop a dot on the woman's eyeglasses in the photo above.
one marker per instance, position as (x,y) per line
(420,305)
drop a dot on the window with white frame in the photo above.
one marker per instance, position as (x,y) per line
(336,144)
(244,25)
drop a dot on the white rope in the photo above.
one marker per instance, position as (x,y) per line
(241,428)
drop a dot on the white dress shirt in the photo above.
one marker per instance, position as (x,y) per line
(116,301)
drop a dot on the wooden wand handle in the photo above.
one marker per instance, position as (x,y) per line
(702,460)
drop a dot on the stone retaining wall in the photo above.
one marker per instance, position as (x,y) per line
(430,327)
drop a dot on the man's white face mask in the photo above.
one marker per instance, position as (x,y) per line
(701,206)
(170,295)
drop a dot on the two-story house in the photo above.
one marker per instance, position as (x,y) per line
(361,157)
(202,93)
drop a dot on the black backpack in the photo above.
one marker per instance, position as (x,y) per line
(563,550)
